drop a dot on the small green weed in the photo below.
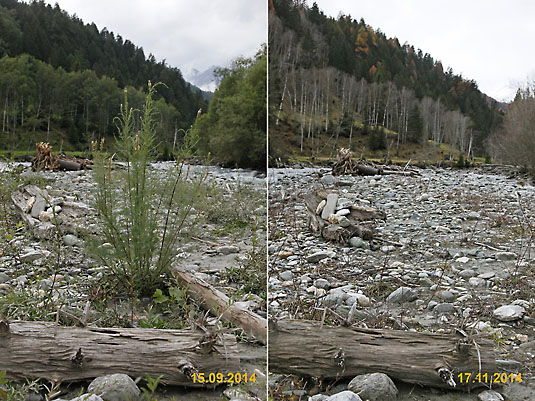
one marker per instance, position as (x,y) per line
(234,211)
(3,381)
(11,391)
(150,389)
(251,274)
(498,338)
(27,304)
(170,311)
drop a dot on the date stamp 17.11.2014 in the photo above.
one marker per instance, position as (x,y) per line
(489,378)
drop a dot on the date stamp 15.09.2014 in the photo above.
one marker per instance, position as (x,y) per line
(219,378)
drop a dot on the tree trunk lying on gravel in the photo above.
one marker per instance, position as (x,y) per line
(61,354)
(303,348)
(361,219)
(345,165)
(219,304)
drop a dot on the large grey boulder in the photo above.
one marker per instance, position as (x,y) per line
(227,249)
(318,397)
(328,179)
(374,387)
(83,397)
(116,387)
(320,255)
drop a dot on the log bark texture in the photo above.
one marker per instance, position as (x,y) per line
(219,304)
(303,348)
(61,354)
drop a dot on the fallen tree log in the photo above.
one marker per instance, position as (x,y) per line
(62,354)
(304,348)
(359,222)
(69,165)
(367,170)
(219,304)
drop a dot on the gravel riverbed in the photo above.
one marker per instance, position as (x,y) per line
(455,252)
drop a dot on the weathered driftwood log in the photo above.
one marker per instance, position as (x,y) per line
(219,304)
(303,348)
(69,165)
(361,220)
(60,354)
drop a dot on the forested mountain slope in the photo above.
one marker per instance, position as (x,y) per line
(66,78)
(340,78)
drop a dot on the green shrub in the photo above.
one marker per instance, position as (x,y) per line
(143,215)
(460,162)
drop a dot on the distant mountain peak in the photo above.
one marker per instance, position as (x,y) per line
(206,80)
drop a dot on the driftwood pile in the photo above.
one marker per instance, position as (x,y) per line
(45,160)
(339,219)
(40,212)
(345,165)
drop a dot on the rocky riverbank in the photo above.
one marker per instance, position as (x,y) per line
(455,253)
(57,268)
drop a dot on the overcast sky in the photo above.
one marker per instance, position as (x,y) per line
(489,41)
(186,33)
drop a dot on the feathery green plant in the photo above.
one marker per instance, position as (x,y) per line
(143,215)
